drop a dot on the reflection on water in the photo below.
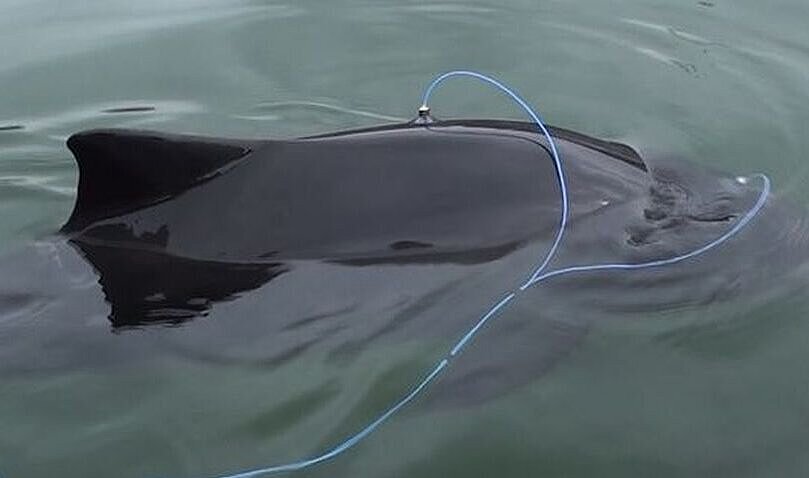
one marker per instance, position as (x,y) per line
(288,358)
(145,287)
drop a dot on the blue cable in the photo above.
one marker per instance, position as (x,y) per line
(557,161)
(762,198)
(536,277)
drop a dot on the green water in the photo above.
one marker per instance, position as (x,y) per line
(715,391)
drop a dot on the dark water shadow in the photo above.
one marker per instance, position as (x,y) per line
(151,288)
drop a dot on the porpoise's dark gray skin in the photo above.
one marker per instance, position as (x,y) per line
(333,244)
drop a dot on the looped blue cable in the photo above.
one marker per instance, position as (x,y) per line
(536,277)
(743,221)
(557,161)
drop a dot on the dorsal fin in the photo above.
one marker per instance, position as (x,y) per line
(123,170)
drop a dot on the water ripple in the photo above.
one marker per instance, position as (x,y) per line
(57,126)
(669,30)
(273,111)
(45,184)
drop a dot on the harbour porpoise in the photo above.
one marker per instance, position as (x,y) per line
(339,242)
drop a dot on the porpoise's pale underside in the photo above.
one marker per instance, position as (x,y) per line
(345,241)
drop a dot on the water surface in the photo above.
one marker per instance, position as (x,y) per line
(710,390)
